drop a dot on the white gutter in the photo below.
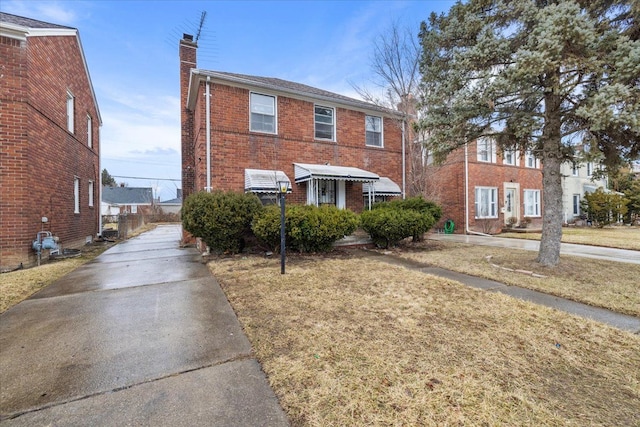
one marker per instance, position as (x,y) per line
(466,195)
(208,108)
(404,166)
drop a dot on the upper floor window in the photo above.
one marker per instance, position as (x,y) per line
(263,113)
(530,160)
(589,168)
(70,112)
(89,131)
(574,169)
(324,122)
(510,157)
(373,130)
(486,150)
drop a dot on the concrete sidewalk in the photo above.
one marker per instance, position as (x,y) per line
(142,335)
(586,251)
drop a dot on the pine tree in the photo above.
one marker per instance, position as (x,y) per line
(108,180)
(539,75)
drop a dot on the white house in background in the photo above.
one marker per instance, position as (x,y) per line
(577,180)
(133,200)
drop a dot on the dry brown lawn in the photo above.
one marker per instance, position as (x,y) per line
(612,237)
(615,286)
(356,341)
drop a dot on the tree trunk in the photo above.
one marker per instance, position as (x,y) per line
(549,254)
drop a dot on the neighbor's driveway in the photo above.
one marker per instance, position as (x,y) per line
(142,335)
(597,252)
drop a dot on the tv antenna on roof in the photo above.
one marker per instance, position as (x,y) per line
(203,16)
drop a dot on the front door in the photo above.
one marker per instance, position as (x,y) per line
(511,205)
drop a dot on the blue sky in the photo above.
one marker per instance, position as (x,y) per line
(132,51)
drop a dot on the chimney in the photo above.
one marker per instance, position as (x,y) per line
(188,61)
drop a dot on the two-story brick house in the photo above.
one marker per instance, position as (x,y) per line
(49,138)
(483,189)
(246,133)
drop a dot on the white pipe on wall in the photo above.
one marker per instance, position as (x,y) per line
(208,113)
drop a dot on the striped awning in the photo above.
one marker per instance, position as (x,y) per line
(264,181)
(306,172)
(383,187)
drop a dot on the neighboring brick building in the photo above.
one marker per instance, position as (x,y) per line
(331,148)
(498,186)
(49,139)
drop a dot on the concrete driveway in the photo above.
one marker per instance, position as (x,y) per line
(586,251)
(142,335)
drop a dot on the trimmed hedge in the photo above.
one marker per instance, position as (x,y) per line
(220,219)
(390,222)
(307,228)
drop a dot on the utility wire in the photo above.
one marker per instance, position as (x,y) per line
(139,177)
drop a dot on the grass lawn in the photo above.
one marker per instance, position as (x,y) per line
(600,283)
(356,341)
(613,237)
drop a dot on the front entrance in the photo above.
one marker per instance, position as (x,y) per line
(511,203)
(322,192)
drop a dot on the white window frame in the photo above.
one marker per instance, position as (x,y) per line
(486,150)
(531,203)
(513,159)
(333,122)
(589,169)
(575,204)
(530,160)
(76,195)
(575,169)
(265,113)
(371,119)
(89,131)
(90,184)
(492,207)
(70,112)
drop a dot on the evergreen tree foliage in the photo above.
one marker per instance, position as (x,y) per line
(108,180)
(539,75)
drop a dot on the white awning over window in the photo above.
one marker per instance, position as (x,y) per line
(306,172)
(383,187)
(264,181)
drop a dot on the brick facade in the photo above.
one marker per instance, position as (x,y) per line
(40,158)
(451,182)
(235,148)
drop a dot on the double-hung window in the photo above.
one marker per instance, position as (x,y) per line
(324,122)
(530,160)
(90,184)
(576,204)
(589,169)
(373,130)
(76,195)
(531,202)
(263,113)
(89,131)
(510,157)
(486,202)
(486,150)
(70,112)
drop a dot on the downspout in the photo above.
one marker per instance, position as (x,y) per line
(404,166)
(466,195)
(208,113)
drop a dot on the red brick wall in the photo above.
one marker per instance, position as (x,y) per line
(234,148)
(450,178)
(42,156)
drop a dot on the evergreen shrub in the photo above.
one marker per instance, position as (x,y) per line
(220,219)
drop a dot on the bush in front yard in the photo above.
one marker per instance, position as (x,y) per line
(391,222)
(604,208)
(220,219)
(307,228)
(388,229)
